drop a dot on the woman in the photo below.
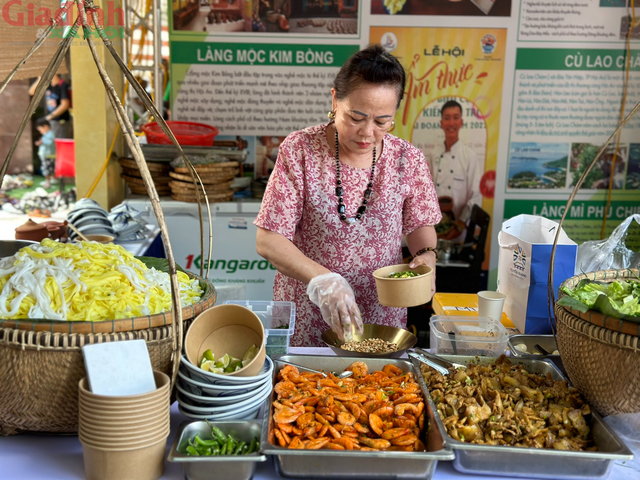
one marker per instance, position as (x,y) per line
(339,200)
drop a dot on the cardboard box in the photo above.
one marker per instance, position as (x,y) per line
(462,304)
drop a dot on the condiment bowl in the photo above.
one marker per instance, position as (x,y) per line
(188,393)
(196,373)
(206,389)
(249,413)
(199,407)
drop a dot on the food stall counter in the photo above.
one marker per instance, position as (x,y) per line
(59,457)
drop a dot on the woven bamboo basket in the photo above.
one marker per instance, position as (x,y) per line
(42,364)
(601,360)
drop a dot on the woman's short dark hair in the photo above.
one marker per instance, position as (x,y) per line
(373,65)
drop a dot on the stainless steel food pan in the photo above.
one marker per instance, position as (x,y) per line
(352,464)
(229,467)
(534,462)
(548,342)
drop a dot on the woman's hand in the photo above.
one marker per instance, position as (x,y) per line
(428,259)
(333,294)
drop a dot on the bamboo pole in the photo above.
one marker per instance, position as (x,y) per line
(130,137)
(550,290)
(151,107)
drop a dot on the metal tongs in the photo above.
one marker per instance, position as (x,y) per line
(434,361)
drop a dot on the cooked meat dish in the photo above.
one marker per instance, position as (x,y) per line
(503,404)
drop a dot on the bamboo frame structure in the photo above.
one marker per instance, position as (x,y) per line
(88,7)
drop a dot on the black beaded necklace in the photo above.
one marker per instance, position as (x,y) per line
(367,193)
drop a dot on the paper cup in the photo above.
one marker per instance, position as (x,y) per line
(490,304)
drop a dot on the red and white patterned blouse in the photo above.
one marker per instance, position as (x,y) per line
(300,203)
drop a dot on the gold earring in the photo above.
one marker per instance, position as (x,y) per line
(393,125)
(331,115)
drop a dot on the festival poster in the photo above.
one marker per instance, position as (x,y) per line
(461,64)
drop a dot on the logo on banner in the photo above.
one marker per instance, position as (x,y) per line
(519,258)
(389,42)
(489,43)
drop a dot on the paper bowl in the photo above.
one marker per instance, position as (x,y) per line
(131,438)
(162,389)
(403,292)
(144,462)
(195,394)
(403,338)
(226,329)
(109,427)
(98,417)
(114,411)
(213,379)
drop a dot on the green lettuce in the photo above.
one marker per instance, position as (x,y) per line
(618,299)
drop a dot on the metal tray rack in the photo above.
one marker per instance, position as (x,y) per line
(533,462)
(353,464)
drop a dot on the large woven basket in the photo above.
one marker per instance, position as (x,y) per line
(41,366)
(601,360)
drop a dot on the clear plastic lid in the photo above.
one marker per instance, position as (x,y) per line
(468,329)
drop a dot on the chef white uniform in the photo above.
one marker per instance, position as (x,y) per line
(457,174)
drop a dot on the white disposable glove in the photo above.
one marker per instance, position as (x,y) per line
(333,294)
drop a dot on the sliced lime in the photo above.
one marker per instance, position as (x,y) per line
(226,360)
(208,366)
(208,354)
(233,366)
(217,370)
(251,353)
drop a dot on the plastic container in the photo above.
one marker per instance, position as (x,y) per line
(187,133)
(278,319)
(468,336)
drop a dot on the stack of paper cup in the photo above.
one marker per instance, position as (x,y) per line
(124,436)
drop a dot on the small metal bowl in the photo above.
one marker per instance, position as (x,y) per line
(401,337)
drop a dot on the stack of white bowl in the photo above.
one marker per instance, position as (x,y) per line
(206,395)
(89,218)
(124,436)
(128,223)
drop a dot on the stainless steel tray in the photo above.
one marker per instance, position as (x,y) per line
(533,462)
(352,463)
(241,467)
